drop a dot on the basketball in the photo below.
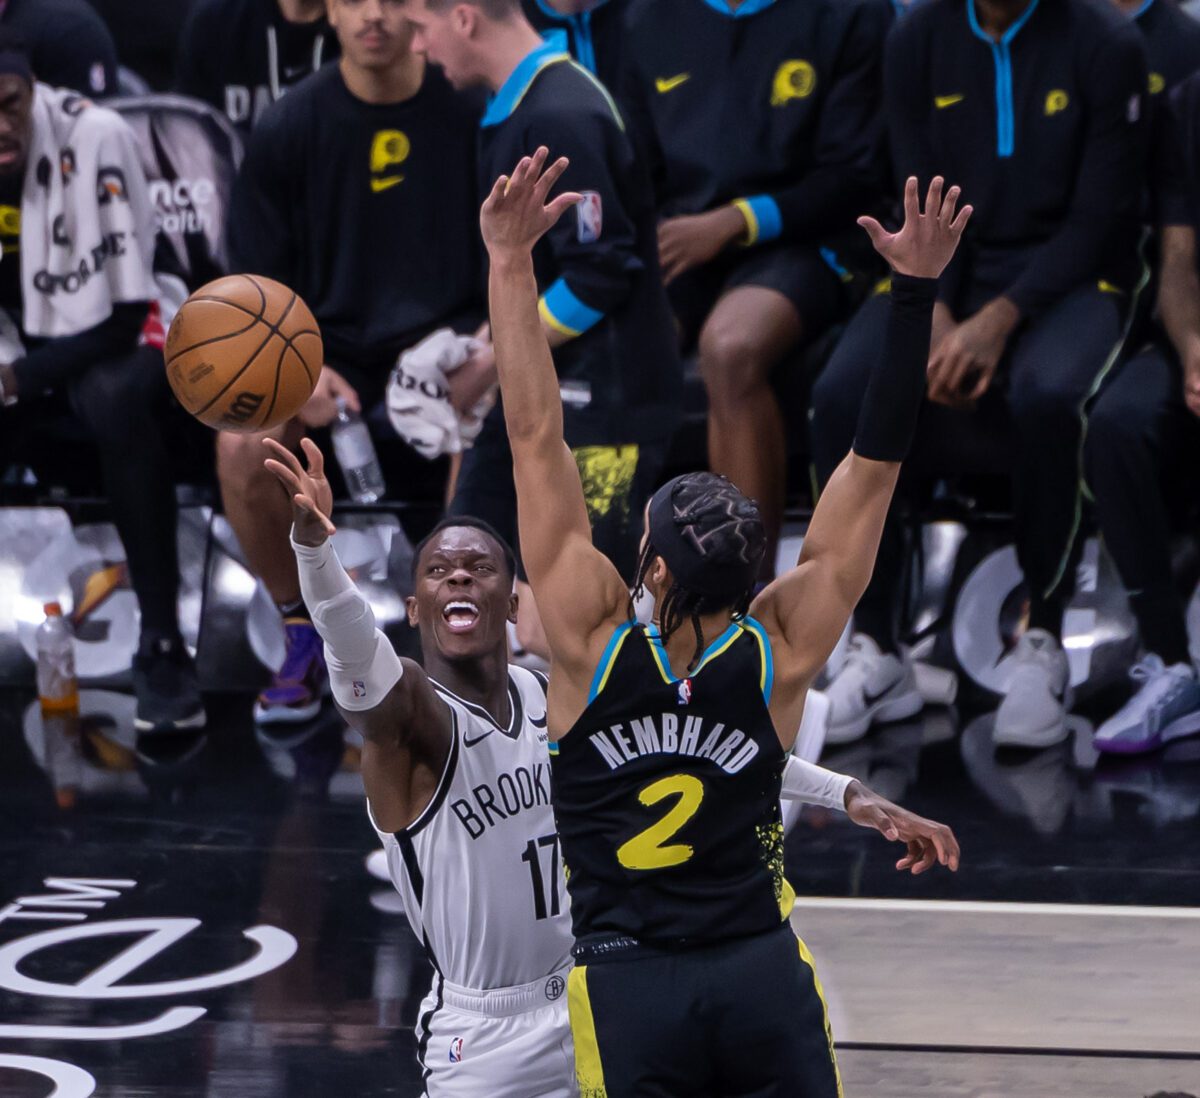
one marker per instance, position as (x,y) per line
(243,353)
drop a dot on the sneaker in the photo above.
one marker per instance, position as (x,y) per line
(1038,699)
(165,684)
(295,691)
(872,687)
(1165,707)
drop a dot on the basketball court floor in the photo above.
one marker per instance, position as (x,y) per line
(195,918)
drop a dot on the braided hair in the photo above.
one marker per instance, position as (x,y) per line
(722,531)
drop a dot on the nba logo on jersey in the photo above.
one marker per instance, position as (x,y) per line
(589,218)
(685,691)
(359,687)
(456,1051)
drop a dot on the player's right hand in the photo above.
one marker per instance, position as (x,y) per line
(516,213)
(321,408)
(312,498)
(926,241)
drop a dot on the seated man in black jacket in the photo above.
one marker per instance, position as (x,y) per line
(78,249)
(761,122)
(1037,108)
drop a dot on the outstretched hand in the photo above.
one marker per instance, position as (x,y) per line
(516,214)
(928,842)
(312,498)
(926,241)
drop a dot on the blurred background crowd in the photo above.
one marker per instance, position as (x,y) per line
(710,303)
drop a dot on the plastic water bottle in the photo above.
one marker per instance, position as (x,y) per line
(355,452)
(58,690)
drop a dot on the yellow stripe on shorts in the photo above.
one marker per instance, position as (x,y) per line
(589,1072)
(807,958)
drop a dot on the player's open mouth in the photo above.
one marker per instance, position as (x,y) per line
(461,615)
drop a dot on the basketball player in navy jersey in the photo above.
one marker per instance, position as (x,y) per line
(668,740)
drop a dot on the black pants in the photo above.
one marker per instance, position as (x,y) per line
(742,1019)
(1051,367)
(124,406)
(617,478)
(1141,442)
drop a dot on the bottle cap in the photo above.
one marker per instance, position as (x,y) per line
(52,610)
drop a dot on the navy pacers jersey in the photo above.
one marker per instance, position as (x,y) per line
(666,796)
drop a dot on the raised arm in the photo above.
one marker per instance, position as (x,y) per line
(806,610)
(579,592)
(406,727)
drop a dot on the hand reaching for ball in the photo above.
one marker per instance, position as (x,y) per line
(312,498)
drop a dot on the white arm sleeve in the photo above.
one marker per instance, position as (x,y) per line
(811,784)
(363,665)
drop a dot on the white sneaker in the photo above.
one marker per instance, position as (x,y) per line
(1038,699)
(871,687)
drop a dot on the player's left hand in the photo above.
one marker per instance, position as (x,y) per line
(928,842)
(516,215)
(692,240)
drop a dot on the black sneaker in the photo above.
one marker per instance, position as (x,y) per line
(164,680)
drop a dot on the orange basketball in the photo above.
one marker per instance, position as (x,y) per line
(243,353)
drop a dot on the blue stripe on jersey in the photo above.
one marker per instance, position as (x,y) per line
(767,681)
(607,660)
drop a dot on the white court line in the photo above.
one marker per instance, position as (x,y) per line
(984,907)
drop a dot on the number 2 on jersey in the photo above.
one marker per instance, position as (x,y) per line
(646,850)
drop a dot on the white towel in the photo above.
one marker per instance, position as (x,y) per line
(418,396)
(87,223)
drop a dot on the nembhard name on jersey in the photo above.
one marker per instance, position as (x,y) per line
(662,735)
(514,793)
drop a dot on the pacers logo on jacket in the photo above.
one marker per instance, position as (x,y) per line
(793,80)
(389,149)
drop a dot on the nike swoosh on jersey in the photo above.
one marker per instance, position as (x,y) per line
(378,185)
(665,84)
(944,101)
(472,743)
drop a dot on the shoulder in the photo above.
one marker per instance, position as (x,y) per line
(566,97)
(642,13)
(925,17)
(84,118)
(532,686)
(1098,23)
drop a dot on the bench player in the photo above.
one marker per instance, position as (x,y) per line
(668,740)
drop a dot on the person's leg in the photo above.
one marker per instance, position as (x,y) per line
(770,1023)
(749,330)
(124,404)
(876,683)
(1055,366)
(1138,430)
(259,511)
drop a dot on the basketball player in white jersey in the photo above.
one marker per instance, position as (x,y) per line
(457,776)
(456,769)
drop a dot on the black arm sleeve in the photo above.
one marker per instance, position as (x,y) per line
(57,361)
(887,419)
(1108,187)
(849,141)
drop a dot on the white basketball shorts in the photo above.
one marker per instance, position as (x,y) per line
(510,1042)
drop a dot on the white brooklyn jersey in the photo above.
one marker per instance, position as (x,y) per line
(480,869)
